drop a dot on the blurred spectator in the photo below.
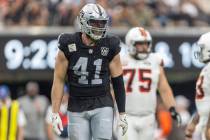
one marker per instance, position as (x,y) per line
(34,107)
(182,107)
(14,12)
(3,10)
(64,118)
(164,121)
(204,6)
(190,10)
(36,14)
(12,118)
(124,15)
(65,15)
(144,14)
(162,12)
(187,7)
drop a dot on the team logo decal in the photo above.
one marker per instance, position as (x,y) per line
(72,47)
(104,51)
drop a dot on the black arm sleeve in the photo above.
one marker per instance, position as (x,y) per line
(119,91)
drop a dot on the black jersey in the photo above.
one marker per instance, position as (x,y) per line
(88,69)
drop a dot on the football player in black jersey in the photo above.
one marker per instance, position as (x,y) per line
(90,60)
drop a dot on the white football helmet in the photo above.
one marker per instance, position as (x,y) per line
(135,35)
(204,48)
(93,21)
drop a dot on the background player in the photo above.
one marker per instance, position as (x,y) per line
(144,74)
(202,98)
(89,58)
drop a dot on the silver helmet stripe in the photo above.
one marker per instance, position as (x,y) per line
(99,9)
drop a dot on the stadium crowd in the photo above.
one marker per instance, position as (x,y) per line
(129,13)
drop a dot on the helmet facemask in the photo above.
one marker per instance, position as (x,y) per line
(97,28)
(203,54)
(143,53)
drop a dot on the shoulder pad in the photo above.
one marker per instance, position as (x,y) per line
(63,41)
(114,43)
(158,59)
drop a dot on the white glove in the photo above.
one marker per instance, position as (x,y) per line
(123,123)
(57,123)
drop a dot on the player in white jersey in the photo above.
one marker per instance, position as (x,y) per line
(202,98)
(143,75)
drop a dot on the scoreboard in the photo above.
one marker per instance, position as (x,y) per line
(33,56)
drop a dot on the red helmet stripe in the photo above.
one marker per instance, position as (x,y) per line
(143,32)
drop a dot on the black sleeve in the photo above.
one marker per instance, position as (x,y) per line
(119,91)
(114,47)
(63,41)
